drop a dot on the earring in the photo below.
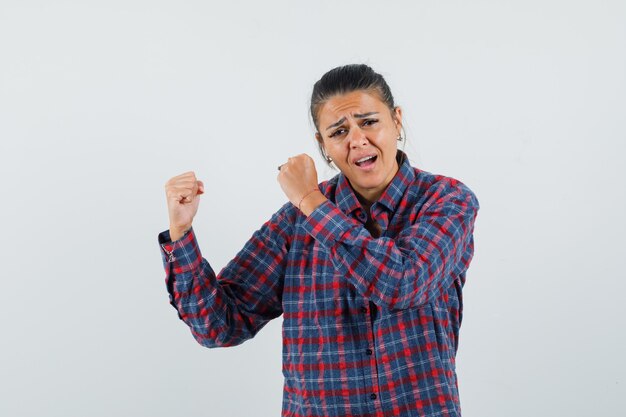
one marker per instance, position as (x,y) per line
(400,137)
(329,159)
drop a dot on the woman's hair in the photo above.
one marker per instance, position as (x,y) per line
(346,79)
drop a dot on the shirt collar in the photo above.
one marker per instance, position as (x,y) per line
(347,201)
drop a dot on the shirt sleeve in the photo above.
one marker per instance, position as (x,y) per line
(412,268)
(231,307)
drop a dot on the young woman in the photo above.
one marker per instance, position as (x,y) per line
(367,268)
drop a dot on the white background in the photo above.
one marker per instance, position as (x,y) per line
(102,102)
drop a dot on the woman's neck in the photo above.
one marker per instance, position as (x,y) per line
(365,203)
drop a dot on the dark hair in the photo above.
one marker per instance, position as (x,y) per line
(346,79)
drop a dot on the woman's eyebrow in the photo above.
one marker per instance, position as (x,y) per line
(357,115)
(338,123)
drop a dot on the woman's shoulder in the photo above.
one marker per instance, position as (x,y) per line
(328,187)
(431,187)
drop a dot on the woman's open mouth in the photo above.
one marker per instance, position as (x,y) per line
(366,162)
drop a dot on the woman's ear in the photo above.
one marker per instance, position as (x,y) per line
(320,141)
(397,117)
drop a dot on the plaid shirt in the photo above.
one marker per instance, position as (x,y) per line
(370,325)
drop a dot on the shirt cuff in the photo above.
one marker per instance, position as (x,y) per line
(182,255)
(327,224)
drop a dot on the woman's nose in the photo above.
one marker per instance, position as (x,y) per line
(357,137)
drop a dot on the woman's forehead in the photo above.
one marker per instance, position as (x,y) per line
(359,101)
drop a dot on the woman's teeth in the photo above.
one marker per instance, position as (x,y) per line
(366,161)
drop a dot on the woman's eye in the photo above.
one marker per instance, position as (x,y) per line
(337,132)
(368,122)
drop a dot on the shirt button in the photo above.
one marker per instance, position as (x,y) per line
(369,351)
(373,396)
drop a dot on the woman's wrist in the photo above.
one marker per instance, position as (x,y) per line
(311,202)
(176,233)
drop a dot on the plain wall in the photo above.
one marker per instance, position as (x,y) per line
(102,102)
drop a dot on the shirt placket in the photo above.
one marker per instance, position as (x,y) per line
(371,387)
(369,352)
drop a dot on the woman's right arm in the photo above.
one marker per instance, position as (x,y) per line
(228,308)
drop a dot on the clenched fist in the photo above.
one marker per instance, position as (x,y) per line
(298,179)
(182,193)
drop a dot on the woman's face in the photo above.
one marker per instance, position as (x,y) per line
(360,135)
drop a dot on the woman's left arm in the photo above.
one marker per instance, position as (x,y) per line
(410,269)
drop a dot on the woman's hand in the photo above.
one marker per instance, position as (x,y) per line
(182,193)
(298,179)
